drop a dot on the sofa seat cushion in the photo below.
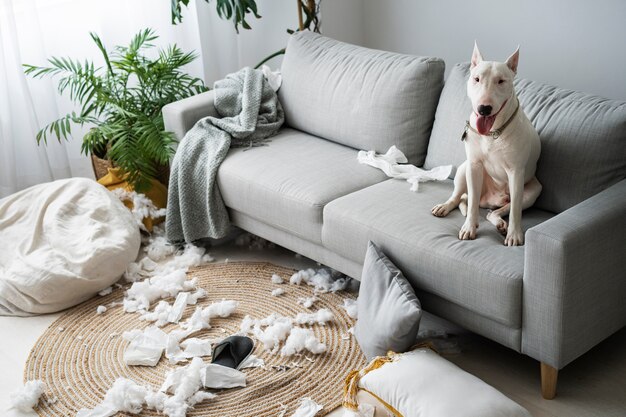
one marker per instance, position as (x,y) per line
(481,275)
(287,183)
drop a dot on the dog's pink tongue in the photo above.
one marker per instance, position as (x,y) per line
(484,124)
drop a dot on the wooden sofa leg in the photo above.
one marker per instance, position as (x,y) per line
(549,377)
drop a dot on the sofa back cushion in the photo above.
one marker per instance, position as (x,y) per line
(359,97)
(583,137)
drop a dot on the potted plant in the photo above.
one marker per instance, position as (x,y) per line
(122,103)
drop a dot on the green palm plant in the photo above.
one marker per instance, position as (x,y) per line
(122,103)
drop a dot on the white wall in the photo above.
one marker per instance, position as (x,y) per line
(344,20)
(224,51)
(577,44)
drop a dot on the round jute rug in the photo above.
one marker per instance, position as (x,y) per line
(81,354)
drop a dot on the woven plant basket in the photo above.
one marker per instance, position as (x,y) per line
(101,168)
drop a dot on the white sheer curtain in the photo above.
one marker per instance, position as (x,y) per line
(33,30)
(22,162)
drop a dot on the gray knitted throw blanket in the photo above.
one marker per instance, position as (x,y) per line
(249,112)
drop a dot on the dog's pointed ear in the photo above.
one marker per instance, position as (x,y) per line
(513,60)
(477,58)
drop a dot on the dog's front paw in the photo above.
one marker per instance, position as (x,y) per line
(468,231)
(514,238)
(441,210)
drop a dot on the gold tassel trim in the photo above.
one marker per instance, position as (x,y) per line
(351,383)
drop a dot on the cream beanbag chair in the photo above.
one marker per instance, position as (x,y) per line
(61,243)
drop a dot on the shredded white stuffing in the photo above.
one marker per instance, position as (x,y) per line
(308,408)
(157,249)
(27,397)
(160,314)
(323,280)
(185,383)
(143,207)
(300,339)
(125,396)
(106,291)
(302,275)
(351,307)
(222,308)
(101,310)
(307,302)
(277,279)
(143,293)
(274,333)
(321,316)
(277,292)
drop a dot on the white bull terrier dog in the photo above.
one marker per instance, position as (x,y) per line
(499,173)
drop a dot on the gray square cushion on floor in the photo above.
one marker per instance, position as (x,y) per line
(287,183)
(481,275)
(389,311)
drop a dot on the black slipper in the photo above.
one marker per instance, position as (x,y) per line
(232,351)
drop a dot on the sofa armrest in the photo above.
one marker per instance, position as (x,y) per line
(575,278)
(181,115)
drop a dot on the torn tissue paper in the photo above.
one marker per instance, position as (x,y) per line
(252,361)
(217,376)
(196,347)
(276,279)
(145,347)
(301,339)
(394,165)
(185,383)
(27,397)
(177,310)
(308,408)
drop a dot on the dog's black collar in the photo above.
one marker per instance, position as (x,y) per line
(495,134)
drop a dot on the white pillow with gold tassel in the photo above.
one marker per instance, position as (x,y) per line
(420,383)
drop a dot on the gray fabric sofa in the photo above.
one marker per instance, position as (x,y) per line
(552,299)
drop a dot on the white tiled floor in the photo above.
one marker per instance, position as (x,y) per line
(594,385)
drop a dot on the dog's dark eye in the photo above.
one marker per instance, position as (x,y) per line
(476,79)
(500,81)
